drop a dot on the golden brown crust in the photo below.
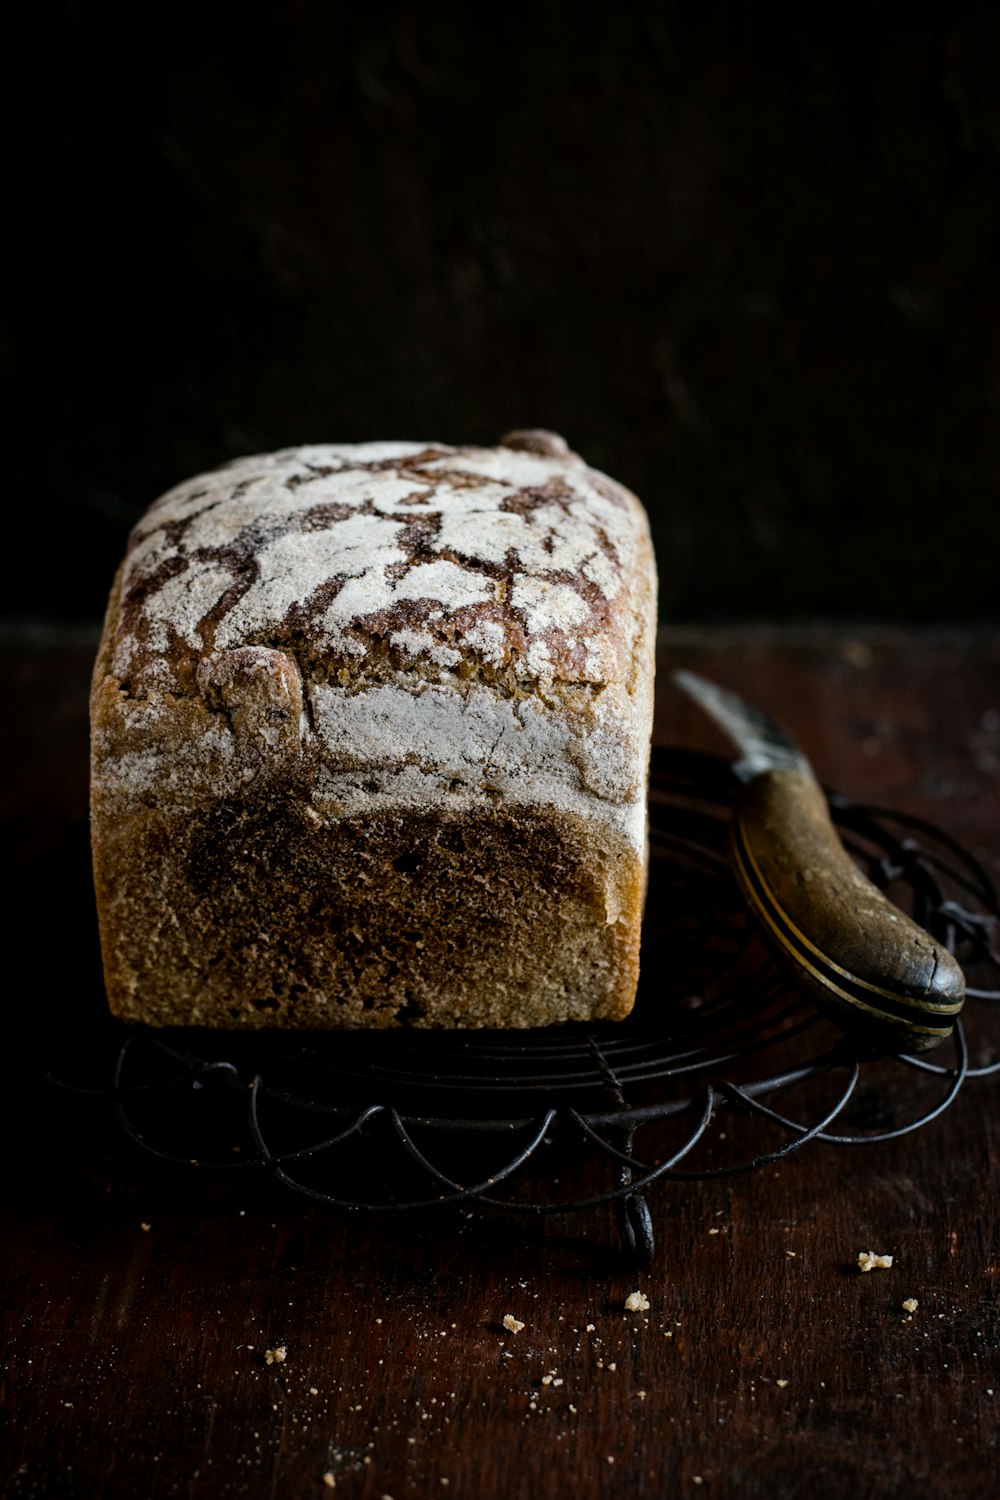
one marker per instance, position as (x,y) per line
(269,916)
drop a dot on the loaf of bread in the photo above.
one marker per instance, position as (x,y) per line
(370,736)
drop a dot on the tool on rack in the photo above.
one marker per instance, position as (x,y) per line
(851,949)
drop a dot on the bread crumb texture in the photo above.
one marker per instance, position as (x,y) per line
(636,1302)
(370,738)
(910,1305)
(869,1261)
(276,1356)
(512,1324)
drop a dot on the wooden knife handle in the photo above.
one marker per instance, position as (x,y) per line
(851,948)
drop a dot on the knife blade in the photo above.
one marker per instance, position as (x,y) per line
(850,947)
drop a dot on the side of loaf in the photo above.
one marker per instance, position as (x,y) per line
(370,737)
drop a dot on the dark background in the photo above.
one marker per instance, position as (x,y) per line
(744,256)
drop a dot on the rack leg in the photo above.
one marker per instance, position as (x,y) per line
(636,1226)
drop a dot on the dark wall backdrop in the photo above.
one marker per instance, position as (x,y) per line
(745,259)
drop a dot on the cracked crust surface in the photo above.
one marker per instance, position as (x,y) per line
(338,658)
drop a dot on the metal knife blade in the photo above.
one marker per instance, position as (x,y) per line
(765,745)
(849,946)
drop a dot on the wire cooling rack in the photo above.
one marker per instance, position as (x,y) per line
(405,1119)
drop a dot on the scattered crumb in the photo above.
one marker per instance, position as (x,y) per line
(641,1395)
(145,1228)
(313,1391)
(329,1480)
(868,1261)
(546,1380)
(636,1302)
(791,1253)
(611,1458)
(512,1324)
(910,1305)
(590,1328)
(697,1479)
(612,1366)
(715,1231)
(781,1383)
(276,1356)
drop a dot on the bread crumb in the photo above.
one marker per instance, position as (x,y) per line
(589,1328)
(781,1383)
(868,1260)
(910,1305)
(276,1356)
(512,1324)
(329,1480)
(546,1380)
(636,1302)
(313,1391)
(715,1231)
(612,1366)
(145,1228)
(641,1395)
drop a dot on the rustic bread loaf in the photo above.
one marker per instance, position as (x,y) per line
(370,739)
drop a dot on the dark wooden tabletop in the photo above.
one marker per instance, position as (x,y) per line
(141,1301)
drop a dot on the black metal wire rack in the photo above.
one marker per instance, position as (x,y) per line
(403,1119)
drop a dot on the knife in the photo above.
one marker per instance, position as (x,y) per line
(850,947)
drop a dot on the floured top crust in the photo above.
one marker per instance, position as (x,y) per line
(517,565)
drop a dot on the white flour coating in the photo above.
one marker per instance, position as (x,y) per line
(511,467)
(445,584)
(477,735)
(183,601)
(469,561)
(422,643)
(517,559)
(297,563)
(488,638)
(547,605)
(432,749)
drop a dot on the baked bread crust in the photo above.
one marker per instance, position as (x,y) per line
(370,736)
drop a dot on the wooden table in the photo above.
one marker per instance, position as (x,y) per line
(140,1301)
